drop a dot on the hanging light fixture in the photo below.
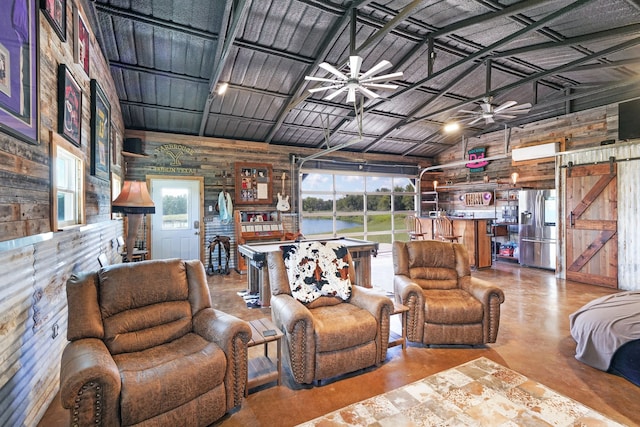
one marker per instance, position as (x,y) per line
(134,201)
(514,178)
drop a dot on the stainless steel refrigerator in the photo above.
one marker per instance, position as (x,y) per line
(537,228)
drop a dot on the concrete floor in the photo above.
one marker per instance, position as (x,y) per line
(533,339)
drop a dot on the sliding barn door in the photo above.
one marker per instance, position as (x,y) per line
(592,227)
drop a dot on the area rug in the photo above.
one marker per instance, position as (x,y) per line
(477,393)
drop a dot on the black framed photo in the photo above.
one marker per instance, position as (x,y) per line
(19,79)
(56,13)
(69,106)
(100,132)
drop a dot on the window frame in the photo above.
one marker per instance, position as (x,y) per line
(59,144)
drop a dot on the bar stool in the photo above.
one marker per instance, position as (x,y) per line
(444,229)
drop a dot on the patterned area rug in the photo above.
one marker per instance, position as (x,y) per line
(477,393)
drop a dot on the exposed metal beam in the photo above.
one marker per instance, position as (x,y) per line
(234,9)
(536,76)
(156,72)
(618,31)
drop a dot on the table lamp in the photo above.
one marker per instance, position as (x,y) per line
(134,201)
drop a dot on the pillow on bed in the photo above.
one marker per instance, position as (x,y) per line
(317,269)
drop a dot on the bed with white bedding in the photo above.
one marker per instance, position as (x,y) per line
(607,333)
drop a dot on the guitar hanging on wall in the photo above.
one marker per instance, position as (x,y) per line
(283,201)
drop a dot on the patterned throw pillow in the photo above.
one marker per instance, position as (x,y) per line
(317,269)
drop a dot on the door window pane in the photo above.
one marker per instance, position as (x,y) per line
(175,212)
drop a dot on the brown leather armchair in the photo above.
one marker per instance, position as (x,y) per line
(147,348)
(446,305)
(327,337)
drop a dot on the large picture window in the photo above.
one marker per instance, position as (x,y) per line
(363,206)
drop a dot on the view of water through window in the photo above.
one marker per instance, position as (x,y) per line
(361,206)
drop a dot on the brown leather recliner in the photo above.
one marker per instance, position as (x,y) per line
(446,305)
(146,348)
(326,338)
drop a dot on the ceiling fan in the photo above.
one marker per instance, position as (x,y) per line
(354,81)
(491,113)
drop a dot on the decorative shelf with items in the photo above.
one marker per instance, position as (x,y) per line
(505,227)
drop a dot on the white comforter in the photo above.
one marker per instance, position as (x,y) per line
(604,325)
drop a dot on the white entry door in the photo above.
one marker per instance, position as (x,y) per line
(176,225)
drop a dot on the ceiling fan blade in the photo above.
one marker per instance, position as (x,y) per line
(524,108)
(319,79)
(354,66)
(504,116)
(380,66)
(368,93)
(469,112)
(504,106)
(351,96)
(321,88)
(391,76)
(380,85)
(333,70)
(474,121)
(335,94)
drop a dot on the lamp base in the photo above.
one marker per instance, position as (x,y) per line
(133,224)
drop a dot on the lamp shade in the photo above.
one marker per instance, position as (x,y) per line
(134,199)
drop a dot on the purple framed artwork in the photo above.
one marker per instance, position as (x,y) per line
(56,13)
(19,69)
(81,41)
(69,106)
(100,132)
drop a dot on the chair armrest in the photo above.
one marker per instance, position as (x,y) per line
(409,293)
(90,383)
(368,299)
(232,335)
(491,297)
(296,321)
(381,308)
(483,290)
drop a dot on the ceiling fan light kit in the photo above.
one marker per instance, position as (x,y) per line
(354,81)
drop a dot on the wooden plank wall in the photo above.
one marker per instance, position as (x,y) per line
(574,131)
(33,313)
(25,169)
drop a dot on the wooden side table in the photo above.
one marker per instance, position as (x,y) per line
(262,370)
(402,310)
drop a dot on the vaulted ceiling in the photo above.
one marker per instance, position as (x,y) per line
(168,57)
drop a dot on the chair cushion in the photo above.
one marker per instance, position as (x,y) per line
(453,306)
(316,269)
(144,304)
(162,378)
(434,277)
(342,326)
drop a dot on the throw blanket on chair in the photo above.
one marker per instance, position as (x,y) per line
(317,269)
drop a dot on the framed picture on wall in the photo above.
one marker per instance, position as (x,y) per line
(100,132)
(56,13)
(69,106)
(81,43)
(254,182)
(19,80)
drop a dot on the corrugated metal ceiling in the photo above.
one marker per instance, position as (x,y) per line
(167,58)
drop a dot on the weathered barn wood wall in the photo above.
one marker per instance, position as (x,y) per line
(33,312)
(35,261)
(25,169)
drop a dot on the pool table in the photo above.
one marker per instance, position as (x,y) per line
(258,277)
